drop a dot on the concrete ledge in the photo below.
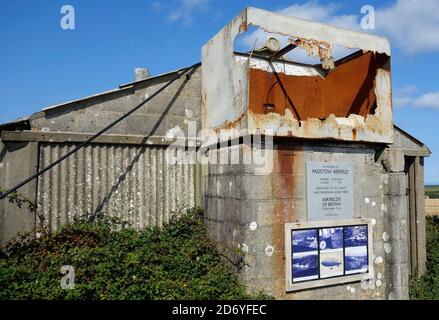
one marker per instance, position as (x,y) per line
(64,137)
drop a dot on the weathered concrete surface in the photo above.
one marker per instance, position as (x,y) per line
(17,162)
(351,103)
(165,112)
(247,211)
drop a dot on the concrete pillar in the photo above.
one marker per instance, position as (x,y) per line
(397,247)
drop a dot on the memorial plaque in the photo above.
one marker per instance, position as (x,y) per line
(329,191)
(322,253)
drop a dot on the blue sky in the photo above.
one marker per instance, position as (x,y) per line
(41,64)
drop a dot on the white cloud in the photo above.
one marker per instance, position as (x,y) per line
(185,10)
(403,97)
(429,100)
(412,25)
(406,97)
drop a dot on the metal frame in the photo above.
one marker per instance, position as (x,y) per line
(289,227)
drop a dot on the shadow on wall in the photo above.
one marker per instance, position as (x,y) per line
(129,168)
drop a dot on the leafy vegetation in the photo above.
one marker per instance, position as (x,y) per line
(175,262)
(20,201)
(432,192)
(427,287)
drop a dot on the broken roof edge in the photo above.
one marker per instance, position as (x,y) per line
(302,28)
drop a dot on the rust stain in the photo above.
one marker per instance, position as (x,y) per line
(285,167)
(319,49)
(243,27)
(348,89)
(231,124)
(354,134)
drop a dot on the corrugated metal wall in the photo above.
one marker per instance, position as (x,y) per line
(134,183)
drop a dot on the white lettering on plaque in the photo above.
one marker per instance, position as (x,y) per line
(329,190)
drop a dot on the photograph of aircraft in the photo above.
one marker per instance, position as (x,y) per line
(305,266)
(304,240)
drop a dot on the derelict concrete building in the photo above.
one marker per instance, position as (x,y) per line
(334,209)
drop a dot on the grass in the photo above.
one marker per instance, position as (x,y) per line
(432,191)
(427,287)
(175,262)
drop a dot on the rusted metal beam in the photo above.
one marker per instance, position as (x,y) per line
(282,52)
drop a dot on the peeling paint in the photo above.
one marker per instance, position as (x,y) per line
(343,104)
(319,49)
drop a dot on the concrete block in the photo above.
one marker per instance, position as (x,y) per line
(210,209)
(268,266)
(289,210)
(378,229)
(399,230)
(395,160)
(289,186)
(255,187)
(232,211)
(399,253)
(211,185)
(264,239)
(259,211)
(288,161)
(62,123)
(396,184)
(398,208)
(399,275)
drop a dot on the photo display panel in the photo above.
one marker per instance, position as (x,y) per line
(329,252)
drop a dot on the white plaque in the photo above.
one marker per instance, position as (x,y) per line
(329,191)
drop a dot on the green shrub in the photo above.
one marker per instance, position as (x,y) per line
(427,287)
(175,262)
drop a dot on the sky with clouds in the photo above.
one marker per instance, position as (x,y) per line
(42,64)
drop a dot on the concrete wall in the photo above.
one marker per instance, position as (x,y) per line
(164,112)
(17,162)
(238,198)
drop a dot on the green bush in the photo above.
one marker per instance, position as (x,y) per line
(175,262)
(427,287)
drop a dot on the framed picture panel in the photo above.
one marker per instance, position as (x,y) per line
(328,252)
